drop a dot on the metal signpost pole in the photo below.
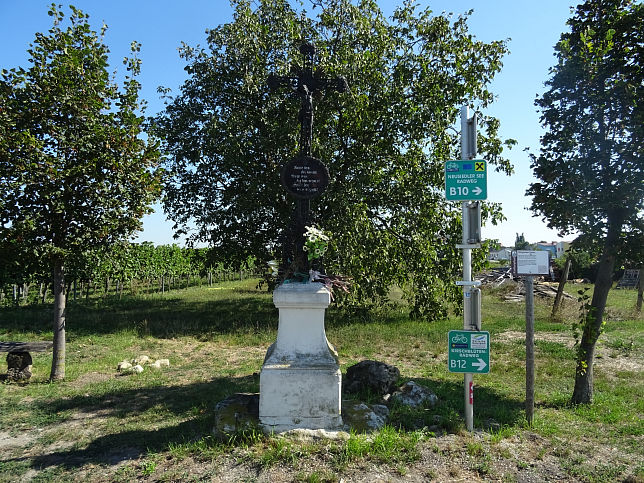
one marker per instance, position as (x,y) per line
(466,181)
(468,151)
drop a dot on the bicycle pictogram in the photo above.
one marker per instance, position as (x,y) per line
(459,339)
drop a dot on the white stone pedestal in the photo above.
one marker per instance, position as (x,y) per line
(300,381)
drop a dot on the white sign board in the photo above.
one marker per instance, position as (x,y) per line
(531,262)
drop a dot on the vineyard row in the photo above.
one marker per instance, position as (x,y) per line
(130,268)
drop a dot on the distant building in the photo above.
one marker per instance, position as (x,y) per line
(548,247)
(557,249)
(502,254)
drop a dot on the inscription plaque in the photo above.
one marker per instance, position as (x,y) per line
(305,177)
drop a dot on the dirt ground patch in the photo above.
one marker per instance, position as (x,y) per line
(522,457)
(91,378)
(607,358)
(511,336)
(9,441)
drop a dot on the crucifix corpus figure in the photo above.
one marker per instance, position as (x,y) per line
(304,177)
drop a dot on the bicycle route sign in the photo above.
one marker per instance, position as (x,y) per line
(466,180)
(469,352)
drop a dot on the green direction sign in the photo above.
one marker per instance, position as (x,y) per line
(466,180)
(469,352)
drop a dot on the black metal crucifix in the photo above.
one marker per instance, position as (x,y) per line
(304,177)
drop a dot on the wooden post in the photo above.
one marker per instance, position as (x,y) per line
(529,349)
(640,291)
(560,290)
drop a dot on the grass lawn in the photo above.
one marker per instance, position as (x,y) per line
(99,425)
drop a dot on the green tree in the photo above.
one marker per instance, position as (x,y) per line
(580,262)
(384,142)
(590,164)
(520,243)
(74,172)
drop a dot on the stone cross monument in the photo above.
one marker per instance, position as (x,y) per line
(300,381)
(304,177)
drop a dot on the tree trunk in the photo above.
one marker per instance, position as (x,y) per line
(43,298)
(60,299)
(640,291)
(592,327)
(560,290)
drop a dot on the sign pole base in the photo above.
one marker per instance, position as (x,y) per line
(469,402)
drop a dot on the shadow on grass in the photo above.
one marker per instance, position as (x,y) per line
(195,402)
(162,317)
(175,315)
(491,408)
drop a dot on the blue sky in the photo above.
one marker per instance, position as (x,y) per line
(161,25)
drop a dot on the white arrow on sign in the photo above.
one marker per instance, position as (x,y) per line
(480,364)
(477,191)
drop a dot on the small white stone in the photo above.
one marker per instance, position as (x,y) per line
(124,366)
(155,365)
(138,369)
(164,362)
(141,360)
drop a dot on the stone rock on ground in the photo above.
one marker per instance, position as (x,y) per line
(19,366)
(137,369)
(141,360)
(236,413)
(374,376)
(127,367)
(240,412)
(414,395)
(363,417)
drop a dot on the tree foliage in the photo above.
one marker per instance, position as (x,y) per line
(581,263)
(591,162)
(520,243)
(74,171)
(384,142)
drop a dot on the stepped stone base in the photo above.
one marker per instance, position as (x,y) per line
(300,382)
